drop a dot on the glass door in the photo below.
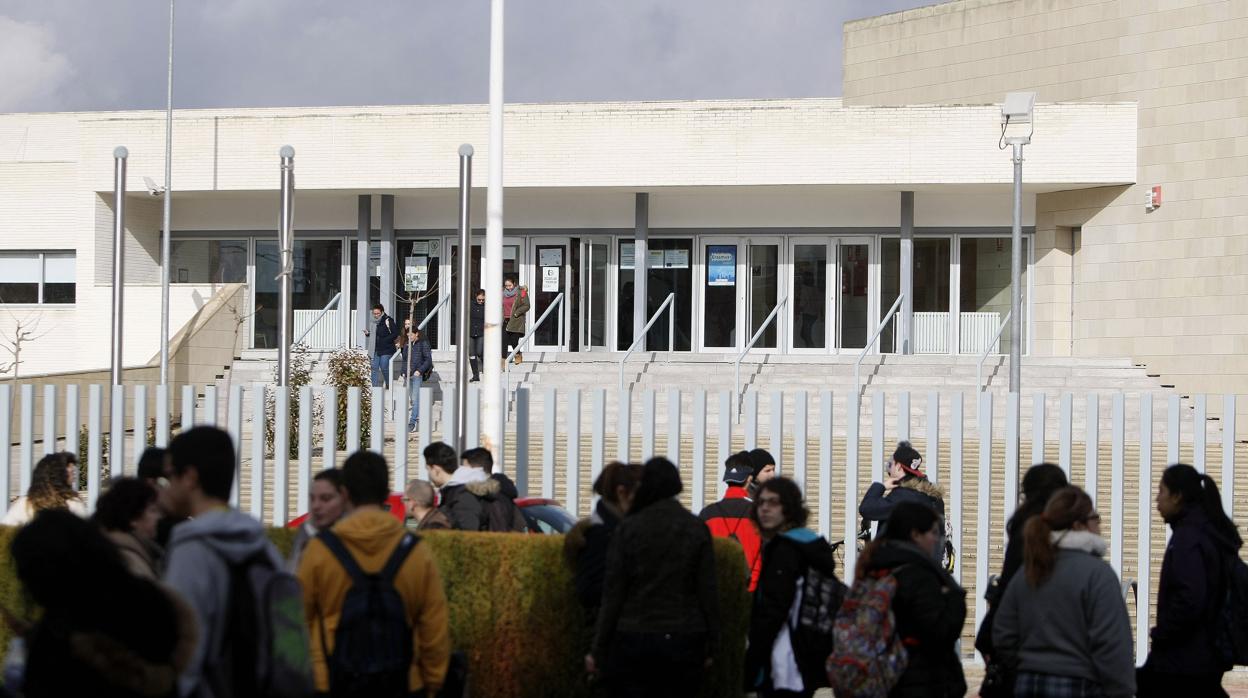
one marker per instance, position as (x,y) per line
(317,277)
(552,265)
(853,297)
(764,290)
(812,298)
(595,303)
(511,270)
(722,290)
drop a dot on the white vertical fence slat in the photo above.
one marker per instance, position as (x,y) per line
(799,441)
(49,419)
(751,420)
(329,418)
(648,417)
(598,432)
(698,432)
(1091,446)
(117,433)
(673,426)
(521,466)
(983,509)
(354,400)
(233,425)
(1228,455)
(573,428)
(776,442)
(1144,549)
(933,437)
(1174,426)
(209,416)
(1066,436)
(725,438)
(140,423)
(281,452)
(26,454)
(825,463)
(163,415)
(956,430)
(624,430)
(903,416)
(72,422)
(6,438)
(424,425)
(1200,424)
(257,450)
(853,423)
(550,413)
(1037,428)
(1117,472)
(305,449)
(188,406)
(1012,434)
(402,442)
(95,430)
(449,415)
(377,421)
(877,437)
(473,438)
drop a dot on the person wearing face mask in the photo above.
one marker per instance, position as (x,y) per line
(1063,623)
(327,504)
(929,607)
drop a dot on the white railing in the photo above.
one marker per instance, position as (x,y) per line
(963,450)
(931,333)
(874,337)
(750,345)
(668,305)
(321,329)
(316,321)
(979,365)
(978,331)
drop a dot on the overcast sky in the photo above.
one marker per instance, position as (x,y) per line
(58,55)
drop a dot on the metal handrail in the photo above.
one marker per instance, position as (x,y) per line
(419,328)
(668,302)
(979,366)
(332,302)
(525,340)
(750,345)
(862,354)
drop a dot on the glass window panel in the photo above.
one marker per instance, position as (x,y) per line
(58,267)
(208,261)
(764,291)
(985,292)
(22,267)
(854,273)
(60,293)
(809,307)
(719,322)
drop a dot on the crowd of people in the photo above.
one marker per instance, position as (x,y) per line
(358,606)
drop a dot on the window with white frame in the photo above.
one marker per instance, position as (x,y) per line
(37,277)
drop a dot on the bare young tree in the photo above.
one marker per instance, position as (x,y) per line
(25,330)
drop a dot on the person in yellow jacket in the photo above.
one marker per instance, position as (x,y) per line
(371,535)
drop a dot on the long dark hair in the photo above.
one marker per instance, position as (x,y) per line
(49,483)
(659,480)
(1039,483)
(906,518)
(615,476)
(1067,507)
(1199,490)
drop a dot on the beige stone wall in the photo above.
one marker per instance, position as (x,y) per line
(1166,288)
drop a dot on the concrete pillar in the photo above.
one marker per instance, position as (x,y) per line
(641,235)
(362,314)
(905,323)
(388,263)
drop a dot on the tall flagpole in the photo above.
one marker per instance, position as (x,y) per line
(164,234)
(492,259)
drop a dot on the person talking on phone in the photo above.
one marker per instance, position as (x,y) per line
(904,481)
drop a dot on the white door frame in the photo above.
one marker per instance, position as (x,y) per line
(830,296)
(563,316)
(585,306)
(783,272)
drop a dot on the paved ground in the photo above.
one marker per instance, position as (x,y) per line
(1235,683)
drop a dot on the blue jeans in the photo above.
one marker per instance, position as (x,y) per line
(413,398)
(381,369)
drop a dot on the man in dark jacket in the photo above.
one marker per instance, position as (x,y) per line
(730,516)
(497,493)
(384,337)
(462,507)
(476,335)
(417,360)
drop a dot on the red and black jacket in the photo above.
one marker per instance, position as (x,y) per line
(730,518)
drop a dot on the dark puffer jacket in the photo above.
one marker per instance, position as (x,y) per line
(1188,597)
(877,505)
(930,609)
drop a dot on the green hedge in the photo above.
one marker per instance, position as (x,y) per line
(513,611)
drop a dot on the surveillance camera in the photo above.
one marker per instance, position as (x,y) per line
(153,189)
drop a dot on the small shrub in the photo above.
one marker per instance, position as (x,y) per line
(84,460)
(301,366)
(351,368)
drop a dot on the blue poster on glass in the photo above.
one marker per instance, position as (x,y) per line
(721,265)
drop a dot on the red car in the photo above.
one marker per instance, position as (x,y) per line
(543,516)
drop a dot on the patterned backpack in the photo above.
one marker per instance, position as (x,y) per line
(867,658)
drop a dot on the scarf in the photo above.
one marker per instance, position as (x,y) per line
(512,293)
(1084,541)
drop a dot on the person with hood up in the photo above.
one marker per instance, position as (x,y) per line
(327,502)
(905,482)
(128,515)
(585,547)
(929,606)
(1064,623)
(205,551)
(773,666)
(129,638)
(1183,659)
(461,507)
(658,626)
(730,516)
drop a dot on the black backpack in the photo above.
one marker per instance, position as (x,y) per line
(373,643)
(499,514)
(1232,620)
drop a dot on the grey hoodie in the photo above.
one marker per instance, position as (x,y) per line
(197,570)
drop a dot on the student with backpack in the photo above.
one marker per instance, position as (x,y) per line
(730,516)
(1063,623)
(498,494)
(899,626)
(1197,576)
(797,597)
(252,639)
(373,599)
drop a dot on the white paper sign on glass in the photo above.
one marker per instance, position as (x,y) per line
(550,279)
(676,259)
(550,257)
